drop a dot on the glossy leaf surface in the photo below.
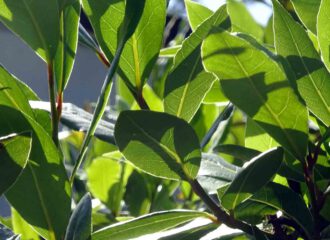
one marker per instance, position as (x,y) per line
(188,83)
(36,22)
(151,223)
(307,11)
(323,31)
(67,46)
(14,154)
(43,184)
(242,20)
(158,143)
(310,75)
(257,85)
(197,13)
(143,47)
(253,177)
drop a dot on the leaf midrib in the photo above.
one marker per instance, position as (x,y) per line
(146,224)
(136,62)
(44,208)
(186,87)
(278,121)
(165,148)
(37,28)
(305,66)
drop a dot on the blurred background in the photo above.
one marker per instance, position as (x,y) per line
(88,73)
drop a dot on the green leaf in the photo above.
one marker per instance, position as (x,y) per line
(323,31)
(188,83)
(14,154)
(242,21)
(43,184)
(143,47)
(287,201)
(256,138)
(107,178)
(169,52)
(151,223)
(310,75)
(197,13)
(192,233)
(36,22)
(21,227)
(67,47)
(253,177)
(80,225)
(253,212)
(159,144)
(242,153)
(307,12)
(258,86)
(137,195)
(215,172)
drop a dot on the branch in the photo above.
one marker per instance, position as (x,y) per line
(54,114)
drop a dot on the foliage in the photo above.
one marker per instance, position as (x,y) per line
(226,124)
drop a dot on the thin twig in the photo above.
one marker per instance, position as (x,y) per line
(54,114)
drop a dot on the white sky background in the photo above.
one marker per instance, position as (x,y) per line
(259,11)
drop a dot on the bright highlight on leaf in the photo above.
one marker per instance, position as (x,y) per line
(257,85)
(36,22)
(310,75)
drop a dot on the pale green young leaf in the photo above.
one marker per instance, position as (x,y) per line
(143,47)
(252,178)
(188,83)
(257,85)
(169,52)
(151,223)
(256,138)
(159,144)
(14,154)
(197,13)
(67,46)
(107,179)
(20,226)
(36,22)
(242,20)
(307,12)
(323,31)
(310,75)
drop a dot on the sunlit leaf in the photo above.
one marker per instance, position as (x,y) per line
(258,86)
(36,22)
(159,144)
(14,154)
(252,178)
(310,75)
(323,32)
(152,223)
